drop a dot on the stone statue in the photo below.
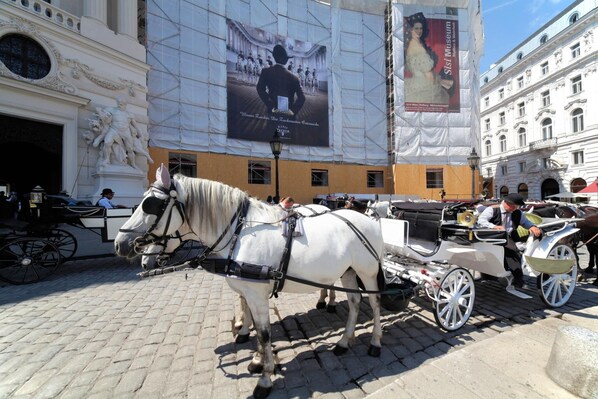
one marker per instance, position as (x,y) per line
(118,136)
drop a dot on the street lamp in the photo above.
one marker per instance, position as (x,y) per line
(474,161)
(276,147)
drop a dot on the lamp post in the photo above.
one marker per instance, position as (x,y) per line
(474,161)
(276,147)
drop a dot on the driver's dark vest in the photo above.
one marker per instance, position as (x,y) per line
(515,220)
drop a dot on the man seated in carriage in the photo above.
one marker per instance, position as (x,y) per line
(507,216)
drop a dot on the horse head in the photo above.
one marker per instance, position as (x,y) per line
(159,216)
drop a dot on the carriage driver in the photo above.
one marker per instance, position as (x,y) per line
(507,216)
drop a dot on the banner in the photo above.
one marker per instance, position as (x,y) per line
(431,64)
(275,83)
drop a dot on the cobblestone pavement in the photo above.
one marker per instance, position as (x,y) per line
(96,330)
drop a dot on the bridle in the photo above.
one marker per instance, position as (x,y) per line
(158,207)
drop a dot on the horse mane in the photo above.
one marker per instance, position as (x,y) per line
(210,205)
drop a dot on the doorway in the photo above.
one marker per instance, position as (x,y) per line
(27,145)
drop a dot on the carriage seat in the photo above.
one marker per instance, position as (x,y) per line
(424,218)
(465,235)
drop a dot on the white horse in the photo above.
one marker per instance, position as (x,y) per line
(163,251)
(379,209)
(246,245)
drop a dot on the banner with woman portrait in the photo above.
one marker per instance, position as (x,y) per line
(431,63)
(275,83)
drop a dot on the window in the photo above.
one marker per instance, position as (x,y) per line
(544,67)
(500,69)
(522,166)
(375,178)
(545,162)
(520,82)
(544,38)
(521,109)
(185,164)
(577,120)
(547,129)
(503,143)
(319,177)
(488,146)
(501,118)
(519,55)
(489,172)
(486,79)
(487,101)
(24,56)
(259,172)
(487,124)
(576,85)
(522,137)
(503,170)
(545,98)
(434,178)
(573,18)
(577,157)
(501,94)
(575,50)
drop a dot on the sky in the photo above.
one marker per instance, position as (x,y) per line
(507,23)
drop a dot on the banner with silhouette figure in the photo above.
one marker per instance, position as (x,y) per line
(275,82)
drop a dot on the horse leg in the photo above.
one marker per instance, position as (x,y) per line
(331,308)
(321,304)
(263,359)
(349,280)
(374,299)
(241,327)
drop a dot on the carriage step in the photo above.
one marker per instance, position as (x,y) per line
(512,290)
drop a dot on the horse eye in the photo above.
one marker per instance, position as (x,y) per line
(152,206)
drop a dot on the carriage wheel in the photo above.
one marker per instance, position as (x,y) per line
(64,241)
(556,289)
(28,260)
(455,299)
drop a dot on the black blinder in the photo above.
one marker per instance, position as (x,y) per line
(153,206)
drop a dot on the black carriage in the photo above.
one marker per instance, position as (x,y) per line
(34,245)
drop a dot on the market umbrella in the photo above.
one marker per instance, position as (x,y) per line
(591,188)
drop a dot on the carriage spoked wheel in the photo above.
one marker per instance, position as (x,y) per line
(454,299)
(28,260)
(64,241)
(556,289)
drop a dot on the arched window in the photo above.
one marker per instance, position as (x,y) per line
(500,69)
(577,120)
(486,79)
(503,143)
(573,18)
(547,129)
(519,55)
(522,137)
(504,191)
(578,184)
(488,145)
(544,38)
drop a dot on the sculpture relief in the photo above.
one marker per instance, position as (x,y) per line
(117,135)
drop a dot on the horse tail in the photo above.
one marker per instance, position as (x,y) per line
(380,278)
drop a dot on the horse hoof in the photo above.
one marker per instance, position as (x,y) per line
(241,339)
(255,368)
(331,308)
(595,282)
(320,305)
(339,350)
(374,351)
(261,392)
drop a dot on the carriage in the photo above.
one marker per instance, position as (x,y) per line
(438,247)
(33,247)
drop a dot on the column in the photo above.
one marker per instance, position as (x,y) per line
(96,9)
(127,18)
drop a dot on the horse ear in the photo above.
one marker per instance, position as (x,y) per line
(163,176)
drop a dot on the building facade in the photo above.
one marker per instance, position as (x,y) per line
(183,68)
(539,126)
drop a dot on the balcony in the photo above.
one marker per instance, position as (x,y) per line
(543,144)
(49,12)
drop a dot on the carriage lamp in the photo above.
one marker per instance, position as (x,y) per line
(474,161)
(37,195)
(276,147)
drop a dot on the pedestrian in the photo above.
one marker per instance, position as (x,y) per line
(106,200)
